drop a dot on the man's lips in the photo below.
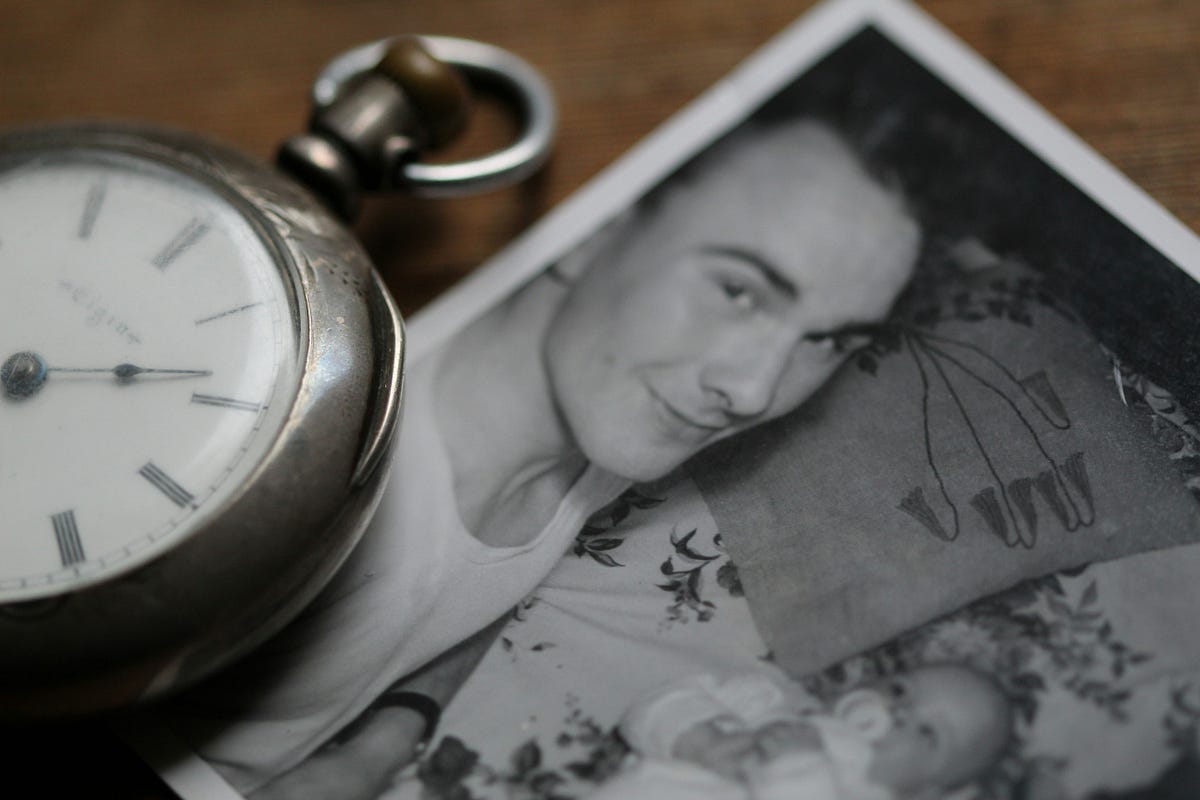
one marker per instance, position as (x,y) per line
(673,413)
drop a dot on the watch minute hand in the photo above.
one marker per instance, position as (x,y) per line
(126,372)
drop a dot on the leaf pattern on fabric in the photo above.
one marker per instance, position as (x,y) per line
(684,570)
(597,538)
(602,750)
(443,771)
(1170,425)
(730,580)
(447,772)
(1182,723)
(605,532)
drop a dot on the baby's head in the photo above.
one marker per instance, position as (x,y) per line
(946,725)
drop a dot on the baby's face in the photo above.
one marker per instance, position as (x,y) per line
(948,725)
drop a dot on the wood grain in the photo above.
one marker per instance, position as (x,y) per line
(1125,76)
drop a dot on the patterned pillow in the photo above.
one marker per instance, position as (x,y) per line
(978,442)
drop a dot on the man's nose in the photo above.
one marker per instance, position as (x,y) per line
(744,383)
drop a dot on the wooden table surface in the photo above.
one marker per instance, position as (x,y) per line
(1125,76)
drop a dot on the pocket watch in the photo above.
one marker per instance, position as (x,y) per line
(201,372)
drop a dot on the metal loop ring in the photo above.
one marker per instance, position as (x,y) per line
(483,64)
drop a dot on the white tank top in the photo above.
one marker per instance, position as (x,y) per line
(417,584)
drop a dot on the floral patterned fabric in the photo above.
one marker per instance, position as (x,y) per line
(1101,663)
(647,595)
(1102,666)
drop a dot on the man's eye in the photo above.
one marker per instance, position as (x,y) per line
(897,690)
(737,293)
(843,340)
(831,343)
(828,343)
(851,342)
(928,735)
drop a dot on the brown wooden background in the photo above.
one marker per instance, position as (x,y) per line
(1124,75)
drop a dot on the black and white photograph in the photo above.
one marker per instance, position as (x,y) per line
(838,442)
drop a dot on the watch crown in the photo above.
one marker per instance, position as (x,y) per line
(407,103)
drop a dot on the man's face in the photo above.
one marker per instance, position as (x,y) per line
(705,316)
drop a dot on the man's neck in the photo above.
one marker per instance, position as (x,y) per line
(512,457)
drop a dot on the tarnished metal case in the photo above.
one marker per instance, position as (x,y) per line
(228,584)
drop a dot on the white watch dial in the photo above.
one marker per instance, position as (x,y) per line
(148,345)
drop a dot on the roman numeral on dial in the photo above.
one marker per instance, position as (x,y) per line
(66,532)
(167,485)
(188,236)
(91,209)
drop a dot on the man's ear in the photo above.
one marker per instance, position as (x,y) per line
(571,266)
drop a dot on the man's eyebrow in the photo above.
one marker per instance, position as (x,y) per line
(770,272)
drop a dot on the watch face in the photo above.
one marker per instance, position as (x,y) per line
(148,359)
